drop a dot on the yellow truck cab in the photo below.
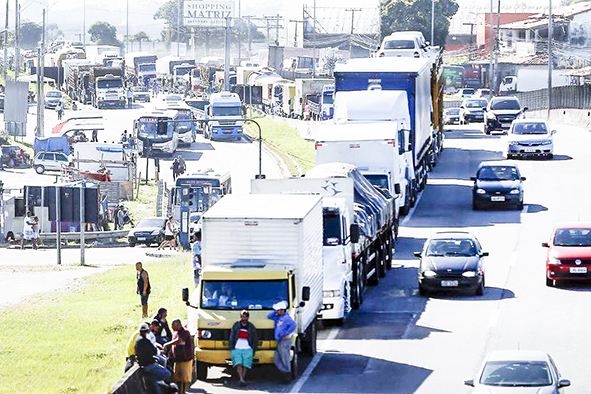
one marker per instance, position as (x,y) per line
(257,250)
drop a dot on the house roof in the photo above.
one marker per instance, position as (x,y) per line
(460,22)
(560,14)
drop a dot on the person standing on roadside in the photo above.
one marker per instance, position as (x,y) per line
(182,351)
(243,343)
(284,327)
(196,257)
(169,230)
(143,287)
(129,98)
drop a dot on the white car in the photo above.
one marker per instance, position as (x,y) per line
(530,137)
(465,92)
(50,161)
(402,44)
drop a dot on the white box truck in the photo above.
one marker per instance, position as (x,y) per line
(257,250)
(337,260)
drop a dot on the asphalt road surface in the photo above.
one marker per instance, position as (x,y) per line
(400,342)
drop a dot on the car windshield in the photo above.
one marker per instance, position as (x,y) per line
(498,173)
(505,104)
(573,237)
(475,104)
(530,128)
(238,295)
(451,247)
(151,222)
(54,93)
(516,374)
(399,44)
(453,111)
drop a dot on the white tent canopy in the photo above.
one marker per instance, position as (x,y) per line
(33,78)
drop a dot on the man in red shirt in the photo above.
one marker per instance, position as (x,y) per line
(243,343)
(182,350)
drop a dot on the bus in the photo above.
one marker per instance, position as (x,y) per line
(206,188)
(183,122)
(155,132)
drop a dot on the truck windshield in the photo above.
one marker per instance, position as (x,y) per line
(332,229)
(227,111)
(183,71)
(238,295)
(379,180)
(110,84)
(147,67)
(328,98)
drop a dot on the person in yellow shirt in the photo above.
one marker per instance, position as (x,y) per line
(131,359)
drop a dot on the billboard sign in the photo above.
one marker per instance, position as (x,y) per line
(206,13)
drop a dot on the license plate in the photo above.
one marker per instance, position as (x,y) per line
(506,125)
(497,198)
(530,150)
(578,270)
(141,238)
(449,283)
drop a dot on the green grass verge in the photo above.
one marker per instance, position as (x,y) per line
(297,153)
(145,205)
(75,341)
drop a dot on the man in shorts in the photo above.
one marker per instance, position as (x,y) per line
(243,343)
(182,351)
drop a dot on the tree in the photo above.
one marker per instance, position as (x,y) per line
(141,36)
(53,32)
(104,33)
(30,34)
(404,15)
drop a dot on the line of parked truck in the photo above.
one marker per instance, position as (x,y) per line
(318,240)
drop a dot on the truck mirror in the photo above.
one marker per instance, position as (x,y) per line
(306,293)
(354,231)
(525,109)
(397,188)
(409,147)
(186,294)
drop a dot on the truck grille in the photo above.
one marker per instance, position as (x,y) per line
(227,123)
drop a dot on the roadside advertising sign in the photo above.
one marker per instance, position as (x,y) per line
(206,13)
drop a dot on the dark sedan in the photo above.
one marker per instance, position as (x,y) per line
(501,112)
(497,183)
(451,261)
(148,231)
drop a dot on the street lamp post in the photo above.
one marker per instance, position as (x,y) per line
(260,175)
(432,22)
(549,57)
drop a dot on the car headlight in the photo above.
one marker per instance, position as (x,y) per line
(469,274)
(331,293)
(204,334)
(513,143)
(514,191)
(547,142)
(480,191)
(155,232)
(553,261)
(429,274)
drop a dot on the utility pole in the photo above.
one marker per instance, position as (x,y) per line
(5,44)
(471,48)
(295,42)
(549,57)
(41,84)
(249,38)
(352,10)
(84,25)
(490,49)
(314,45)
(17,51)
(227,57)
(127,30)
(178,29)
(277,31)
(497,47)
(239,34)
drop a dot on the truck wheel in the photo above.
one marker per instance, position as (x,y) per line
(358,287)
(384,258)
(201,369)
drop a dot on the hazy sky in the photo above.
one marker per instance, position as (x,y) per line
(68,14)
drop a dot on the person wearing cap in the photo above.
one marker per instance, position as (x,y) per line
(284,327)
(183,353)
(146,352)
(243,343)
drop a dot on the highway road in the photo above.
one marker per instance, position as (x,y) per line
(400,342)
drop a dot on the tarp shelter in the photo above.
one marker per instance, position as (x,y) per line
(52,144)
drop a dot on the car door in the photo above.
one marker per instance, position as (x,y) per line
(60,161)
(49,161)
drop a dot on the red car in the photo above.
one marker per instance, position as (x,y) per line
(569,253)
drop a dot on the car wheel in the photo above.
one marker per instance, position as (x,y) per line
(422,291)
(520,206)
(475,206)
(550,282)
(486,130)
(39,169)
(132,244)
(550,156)
(480,288)
(466,121)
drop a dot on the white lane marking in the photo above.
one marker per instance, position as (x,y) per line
(494,318)
(513,258)
(325,346)
(524,210)
(412,210)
